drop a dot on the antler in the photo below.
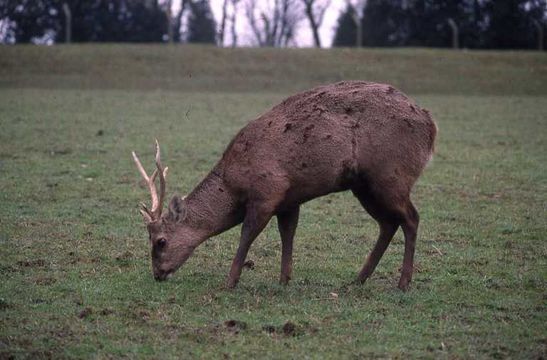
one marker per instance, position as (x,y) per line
(157,202)
(163,174)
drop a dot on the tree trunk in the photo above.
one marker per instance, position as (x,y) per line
(233,28)
(223,24)
(313,24)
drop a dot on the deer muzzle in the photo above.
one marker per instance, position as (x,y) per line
(162,275)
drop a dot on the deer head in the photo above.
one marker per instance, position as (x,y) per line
(171,241)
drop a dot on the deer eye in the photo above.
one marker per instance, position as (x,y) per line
(161,243)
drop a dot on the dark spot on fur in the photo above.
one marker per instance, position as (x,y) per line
(220,189)
(288,126)
(244,146)
(390,90)
(328,136)
(319,108)
(409,123)
(304,165)
(269,123)
(349,110)
(307,131)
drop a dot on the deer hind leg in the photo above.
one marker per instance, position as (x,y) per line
(387,230)
(257,216)
(410,230)
(390,214)
(287,222)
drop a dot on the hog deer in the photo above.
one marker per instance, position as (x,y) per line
(360,136)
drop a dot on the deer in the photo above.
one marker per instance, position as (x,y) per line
(361,136)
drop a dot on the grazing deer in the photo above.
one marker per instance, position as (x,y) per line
(360,136)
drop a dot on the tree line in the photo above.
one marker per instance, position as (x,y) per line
(44,21)
(490,24)
(378,23)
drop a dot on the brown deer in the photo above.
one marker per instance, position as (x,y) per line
(360,136)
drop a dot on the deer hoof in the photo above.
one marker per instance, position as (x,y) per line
(404,285)
(284,280)
(231,284)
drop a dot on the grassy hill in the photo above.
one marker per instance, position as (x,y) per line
(203,68)
(75,266)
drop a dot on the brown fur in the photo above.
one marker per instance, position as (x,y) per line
(360,136)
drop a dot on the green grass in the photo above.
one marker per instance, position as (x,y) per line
(76,279)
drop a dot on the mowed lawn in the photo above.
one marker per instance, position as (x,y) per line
(75,267)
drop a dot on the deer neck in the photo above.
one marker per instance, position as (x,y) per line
(211,207)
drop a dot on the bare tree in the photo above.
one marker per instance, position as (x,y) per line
(174,23)
(177,23)
(228,17)
(274,22)
(233,22)
(221,32)
(315,12)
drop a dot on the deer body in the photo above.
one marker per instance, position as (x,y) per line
(365,137)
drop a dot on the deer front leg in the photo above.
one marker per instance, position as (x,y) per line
(256,218)
(286,223)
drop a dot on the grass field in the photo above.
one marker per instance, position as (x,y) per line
(76,279)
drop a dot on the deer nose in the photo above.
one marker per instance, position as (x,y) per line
(161,275)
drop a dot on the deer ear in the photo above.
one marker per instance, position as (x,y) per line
(176,208)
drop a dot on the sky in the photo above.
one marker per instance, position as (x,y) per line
(304,35)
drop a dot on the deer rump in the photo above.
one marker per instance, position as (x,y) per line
(360,136)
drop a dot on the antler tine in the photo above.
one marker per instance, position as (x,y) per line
(145,213)
(151,186)
(139,166)
(163,174)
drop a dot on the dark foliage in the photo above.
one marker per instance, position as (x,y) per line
(346,31)
(383,23)
(482,24)
(201,23)
(511,23)
(101,20)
